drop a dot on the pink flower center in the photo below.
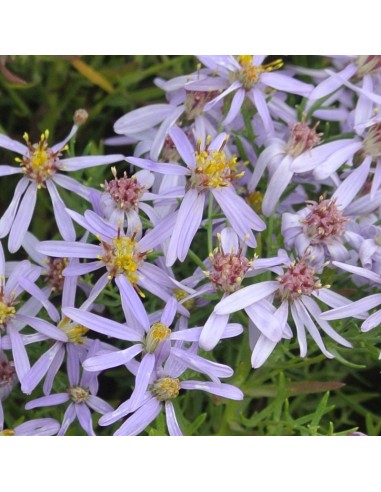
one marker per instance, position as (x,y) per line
(302,138)
(299,279)
(325,221)
(126,192)
(53,273)
(228,270)
(7,372)
(195,102)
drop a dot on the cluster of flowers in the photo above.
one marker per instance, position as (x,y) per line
(223,154)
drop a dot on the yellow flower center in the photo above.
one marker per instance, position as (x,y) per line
(123,256)
(180,295)
(7,432)
(157,334)
(74,331)
(78,394)
(40,163)
(166,388)
(213,168)
(249,74)
(7,312)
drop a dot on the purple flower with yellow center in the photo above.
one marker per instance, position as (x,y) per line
(14,319)
(156,388)
(123,257)
(293,292)
(209,169)
(41,166)
(81,393)
(36,427)
(249,77)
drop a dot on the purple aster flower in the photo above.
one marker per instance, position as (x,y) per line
(209,169)
(360,307)
(41,166)
(247,76)
(321,227)
(36,427)
(122,255)
(82,394)
(294,291)
(12,317)
(228,267)
(155,388)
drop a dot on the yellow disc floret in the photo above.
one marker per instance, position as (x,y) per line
(157,334)
(214,169)
(122,257)
(74,331)
(166,388)
(249,74)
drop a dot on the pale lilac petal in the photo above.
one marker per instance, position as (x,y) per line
(95,291)
(48,401)
(8,170)
(235,106)
(373,96)
(159,233)
(39,369)
(82,268)
(259,101)
(77,163)
(220,63)
(274,151)
(37,293)
(60,145)
(330,84)
(102,325)
(22,219)
(333,162)
(72,364)
(276,186)
(141,419)
(98,405)
(130,297)
(44,327)
(213,330)
(172,424)
(219,389)
(142,380)
(208,84)
(262,350)
(235,85)
(2,262)
(159,167)
(162,132)
(38,427)
(363,272)
(169,311)
(245,297)
(54,368)
(20,356)
(63,220)
(84,418)
(265,321)
(376,180)
(10,144)
(71,184)
(229,240)
(285,83)
(7,219)
(69,249)
(100,225)
(373,321)
(349,188)
(142,119)
(112,359)
(183,146)
(187,222)
(356,307)
(68,419)
(212,369)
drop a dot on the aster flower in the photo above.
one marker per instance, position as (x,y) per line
(294,291)
(251,77)
(35,427)
(154,391)
(228,267)
(41,167)
(122,256)
(12,318)
(321,227)
(209,169)
(81,392)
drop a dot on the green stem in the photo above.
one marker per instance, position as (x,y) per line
(197,259)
